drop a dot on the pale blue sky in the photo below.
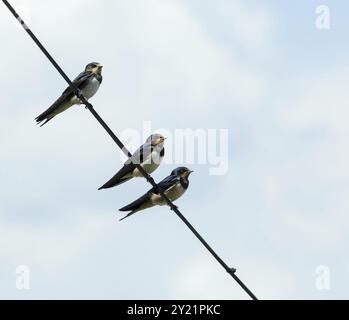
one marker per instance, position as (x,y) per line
(258,68)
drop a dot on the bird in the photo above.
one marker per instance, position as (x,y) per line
(148,156)
(173,186)
(87,82)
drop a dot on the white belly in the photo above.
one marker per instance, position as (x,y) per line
(148,168)
(173,194)
(87,92)
(149,165)
(90,90)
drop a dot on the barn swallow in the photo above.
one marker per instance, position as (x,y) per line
(87,82)
(148,156)
(173,186)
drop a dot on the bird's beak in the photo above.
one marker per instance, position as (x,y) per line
(160,140)
(100,66)
(187,173)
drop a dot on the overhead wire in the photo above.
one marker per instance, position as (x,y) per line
(89,106)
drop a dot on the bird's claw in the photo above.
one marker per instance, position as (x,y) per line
(78,93)
(80,96)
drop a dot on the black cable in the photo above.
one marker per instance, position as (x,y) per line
(89,106)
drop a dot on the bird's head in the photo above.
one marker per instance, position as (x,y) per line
(94,67)
(182,172)
(156,139)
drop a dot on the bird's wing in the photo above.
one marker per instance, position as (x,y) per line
(144,202)
(66,95)
(166,184)
(141,203)
(58,103)
(121,176)
(78,81)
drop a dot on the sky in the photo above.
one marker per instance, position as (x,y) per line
(262,71)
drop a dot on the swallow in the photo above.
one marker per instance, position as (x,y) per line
(173,186)
(148,156)
(87,82)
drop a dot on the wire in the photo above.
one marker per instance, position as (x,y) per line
(89,106)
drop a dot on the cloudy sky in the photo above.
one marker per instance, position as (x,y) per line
(261,69)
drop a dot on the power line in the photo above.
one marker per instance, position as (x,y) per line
(89,106)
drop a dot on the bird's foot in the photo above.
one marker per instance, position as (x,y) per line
(78,93)
(81,97)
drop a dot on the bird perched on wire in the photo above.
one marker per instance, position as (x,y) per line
(87,83)
(172,186)
(148,156)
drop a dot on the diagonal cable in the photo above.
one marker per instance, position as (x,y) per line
(89,106)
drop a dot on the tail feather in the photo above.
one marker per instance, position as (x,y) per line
(140,204)
(43,116)
(131,213)
(137,203)
(42,124)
